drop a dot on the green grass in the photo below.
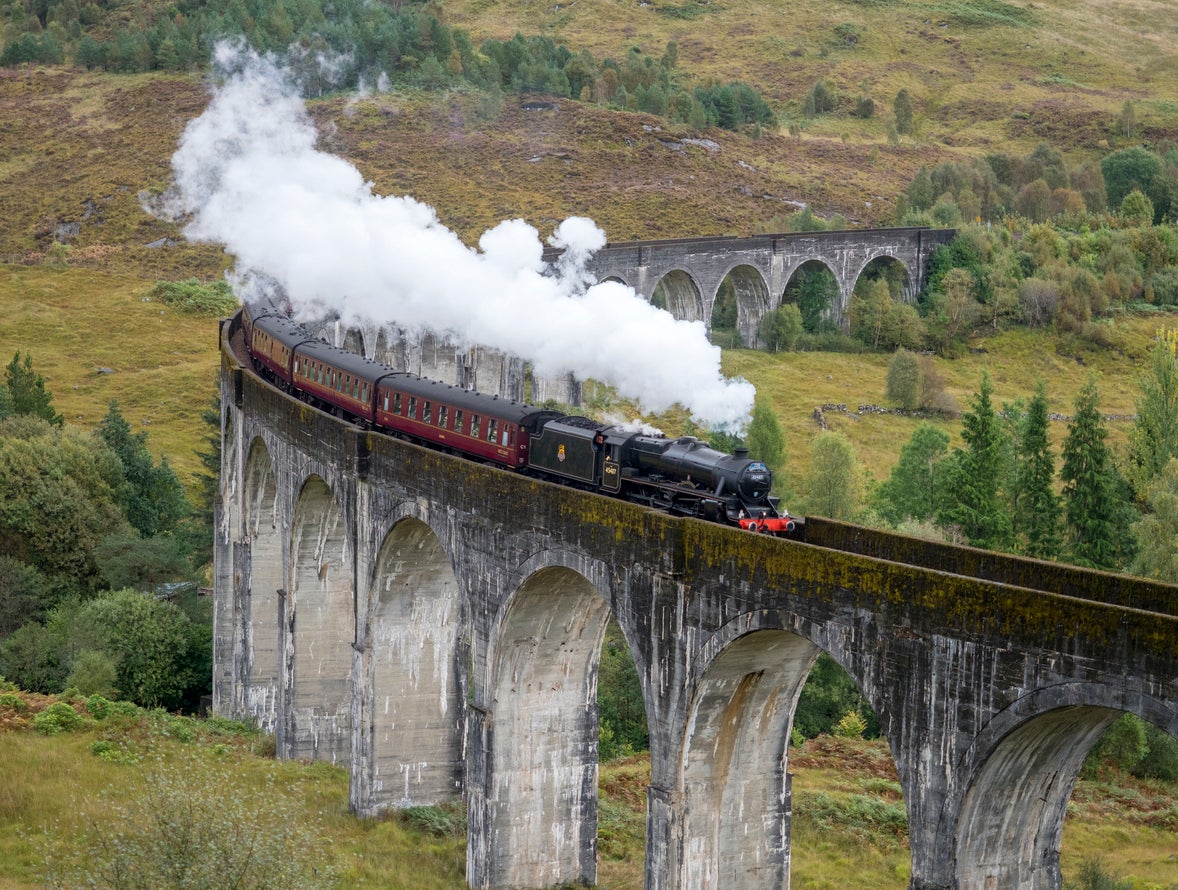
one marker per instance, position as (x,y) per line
(848,829)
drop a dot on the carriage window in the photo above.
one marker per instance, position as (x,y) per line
(396,403)
(492,429)
(356,389)
(474,425)
(505,435)
(442,416)
(296,366)
(339,382)
(509,437)
(457,420)
(427,412)
(386,401)
(318,373)
(413,407)
(364,393)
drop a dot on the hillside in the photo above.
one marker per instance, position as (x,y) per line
(986,76)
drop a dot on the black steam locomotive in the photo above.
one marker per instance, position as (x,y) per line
(683,476)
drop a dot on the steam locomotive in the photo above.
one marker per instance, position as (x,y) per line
(682,476)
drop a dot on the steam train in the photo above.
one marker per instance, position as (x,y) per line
(682,476)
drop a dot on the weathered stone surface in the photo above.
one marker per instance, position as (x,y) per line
(691,270)
(435,625)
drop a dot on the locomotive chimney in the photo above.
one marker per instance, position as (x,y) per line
(740,453)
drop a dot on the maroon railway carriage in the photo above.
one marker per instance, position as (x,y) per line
(336,378)
(487,427)
(273,340)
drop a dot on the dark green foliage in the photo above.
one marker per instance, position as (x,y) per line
(58,717)
(828,695)
(910,491)
(822,99)
(1153,440)
(621,711)
(1096,506)
(971,500)
(440,821)
(779,329)
(128,560)
(148,639)
(904,380)
(1094,877)
(25,594)
(1156,532)
(904,114)
(26,391)
(766,441)
(814,288)
(734,106)
(1036,506)
(1138,169)
(151,496)
(195,298)
(61,500)
(725,310)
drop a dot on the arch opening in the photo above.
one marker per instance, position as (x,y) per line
(262,609)
(734,764)
(750,293)
(415,708)
(1012,817)
(678,293)
(542,792)
(814,289)
(321,615)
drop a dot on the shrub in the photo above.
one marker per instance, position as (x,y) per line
(58,717)
(194,298)
(191,822)
(12,702)
(850,726)
(904,380)
(441,821)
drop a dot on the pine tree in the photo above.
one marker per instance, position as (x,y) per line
(1094,506)
(910,491)
(1036,506)
(971,494)
(27,391)
(1153,440)
(152,497)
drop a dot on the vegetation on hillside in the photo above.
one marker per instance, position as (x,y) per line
(99,556)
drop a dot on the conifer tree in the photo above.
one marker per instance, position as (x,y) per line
(27,392)
(971,495)
(152,497)
(910,491)
(1153,440)
(1036,506)
(1095,508)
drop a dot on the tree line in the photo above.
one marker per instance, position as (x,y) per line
(100,552)
(353,43)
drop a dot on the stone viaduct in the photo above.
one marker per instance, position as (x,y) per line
(687,275)
(435,626)
(689,272)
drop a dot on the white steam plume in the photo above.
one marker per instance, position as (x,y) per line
(248,175)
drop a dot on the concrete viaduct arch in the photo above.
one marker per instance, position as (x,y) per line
(396,610)
(691,270)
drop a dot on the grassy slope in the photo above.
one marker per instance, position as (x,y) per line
(56,784)
(1062,75)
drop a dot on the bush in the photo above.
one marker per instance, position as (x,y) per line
(194,298)
(12,702)
(904,380)
(58,717)
(191,823)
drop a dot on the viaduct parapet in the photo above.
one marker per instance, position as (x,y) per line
(435,626)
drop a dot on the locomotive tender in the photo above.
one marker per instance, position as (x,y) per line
(682,476)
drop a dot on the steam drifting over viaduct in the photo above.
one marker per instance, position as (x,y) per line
(435,626)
